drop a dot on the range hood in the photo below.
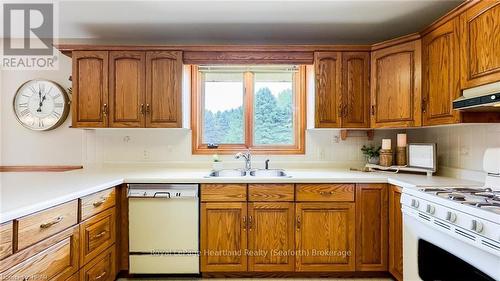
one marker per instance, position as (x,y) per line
(482,98)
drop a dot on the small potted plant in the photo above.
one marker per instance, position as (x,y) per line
(216,163)
(371,153)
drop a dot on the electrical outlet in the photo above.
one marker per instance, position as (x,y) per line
(146,154)
(464,150)
(336,139)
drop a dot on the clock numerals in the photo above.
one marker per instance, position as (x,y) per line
(23,105)
(25,112)
(56,114)
(40,123)
(58,104)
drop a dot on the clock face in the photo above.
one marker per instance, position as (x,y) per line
(41,105)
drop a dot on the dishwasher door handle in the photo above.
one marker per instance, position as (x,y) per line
(162,195)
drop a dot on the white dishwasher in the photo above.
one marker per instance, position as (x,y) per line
(163,228)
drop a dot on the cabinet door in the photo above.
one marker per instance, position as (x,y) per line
(90,89)
(395,86)
(395,233)
(271,236)
(328,89)
(325,237)
(126,89)
(164,89)
(371,227)
(223,237)
(441,74)
(479,44)
(355,90)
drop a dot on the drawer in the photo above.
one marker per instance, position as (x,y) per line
(325,192)
(270,192)
(224,192)
(74,277)
(55,258)
(102,268)
(6,234)
(97,234)
(38,226)
(97,202)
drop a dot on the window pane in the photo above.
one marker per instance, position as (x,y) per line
(223,106)
(273,109)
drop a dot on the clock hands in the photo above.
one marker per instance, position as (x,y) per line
(42,99)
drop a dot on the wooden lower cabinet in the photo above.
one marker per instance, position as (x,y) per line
(97,234)
(271,236)
(325,238)
(6,239)
(223,237)
(371,227)
(102,268)
(395,233)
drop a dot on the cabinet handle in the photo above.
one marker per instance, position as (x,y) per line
(244,223)
(105,109)
(99,203)
(424,105)
(298,223)
(51,223)
(373,110)
(344,111)
(100,276)
(142,108)
(250,224)
(147,108)
(99,235)
(326,193)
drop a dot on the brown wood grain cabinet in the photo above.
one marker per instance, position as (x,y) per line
(223,235)
(325,238)
(6,239)
(479,44)
(395,233)
(271,236)
(97,234)
(441,74)
(395,86)
(90,89)
(102,268)
(371,227)
(328,67)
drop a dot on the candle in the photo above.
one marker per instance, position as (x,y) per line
(401,140)
(386,144)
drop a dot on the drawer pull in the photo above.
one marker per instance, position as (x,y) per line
(100,276)
(326,193)
(99,203)
(298,223)
(99,235)
(244,225)
(51,223)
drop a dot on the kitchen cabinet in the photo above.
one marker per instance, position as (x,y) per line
(223,235)
(395,86)
(6,239)
(342,89)
(90,89)
(479,44)
(127,89)
(441,74)
(101,268)
(371,227)
(271,234)
(395,233)
(325,239)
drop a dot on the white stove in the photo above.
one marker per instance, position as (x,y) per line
(453,233)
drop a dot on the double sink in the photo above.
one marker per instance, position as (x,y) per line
(259,173)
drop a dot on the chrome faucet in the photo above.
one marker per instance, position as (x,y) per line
(248,159)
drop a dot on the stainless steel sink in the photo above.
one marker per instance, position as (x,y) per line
(227,173)
(271,173)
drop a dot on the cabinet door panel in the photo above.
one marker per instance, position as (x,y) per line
(325,237)
(126,89)
(89,89)
(223,237)
(480,59)
(441,75)
(164,89)
(395,233)
(395,86)
(371,227)
(328,88)
(271,236)
(356,90)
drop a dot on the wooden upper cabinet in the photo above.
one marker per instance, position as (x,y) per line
(371,227)
(90,89)
(328,89)
(355,102)
(480,44)
(395,233)
(441,74)
(271,230)
(223,235)
(395,86)
(127,89)
(164,89)
(325,236)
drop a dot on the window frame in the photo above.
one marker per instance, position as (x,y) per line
(299,118)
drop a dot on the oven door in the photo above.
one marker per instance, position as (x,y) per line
(431,254)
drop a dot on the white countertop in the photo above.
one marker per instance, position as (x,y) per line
(25,193)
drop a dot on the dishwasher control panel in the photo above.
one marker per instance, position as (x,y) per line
(162,191)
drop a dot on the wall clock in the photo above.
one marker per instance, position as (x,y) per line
(41,105)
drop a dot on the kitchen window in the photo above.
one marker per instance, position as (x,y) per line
(261,108)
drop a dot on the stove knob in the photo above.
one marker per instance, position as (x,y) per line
(477,226)
(451,217)
(430,209)
(414,203)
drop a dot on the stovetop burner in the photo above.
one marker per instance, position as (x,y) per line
(484,198)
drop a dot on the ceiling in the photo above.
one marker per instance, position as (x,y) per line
(251,22)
